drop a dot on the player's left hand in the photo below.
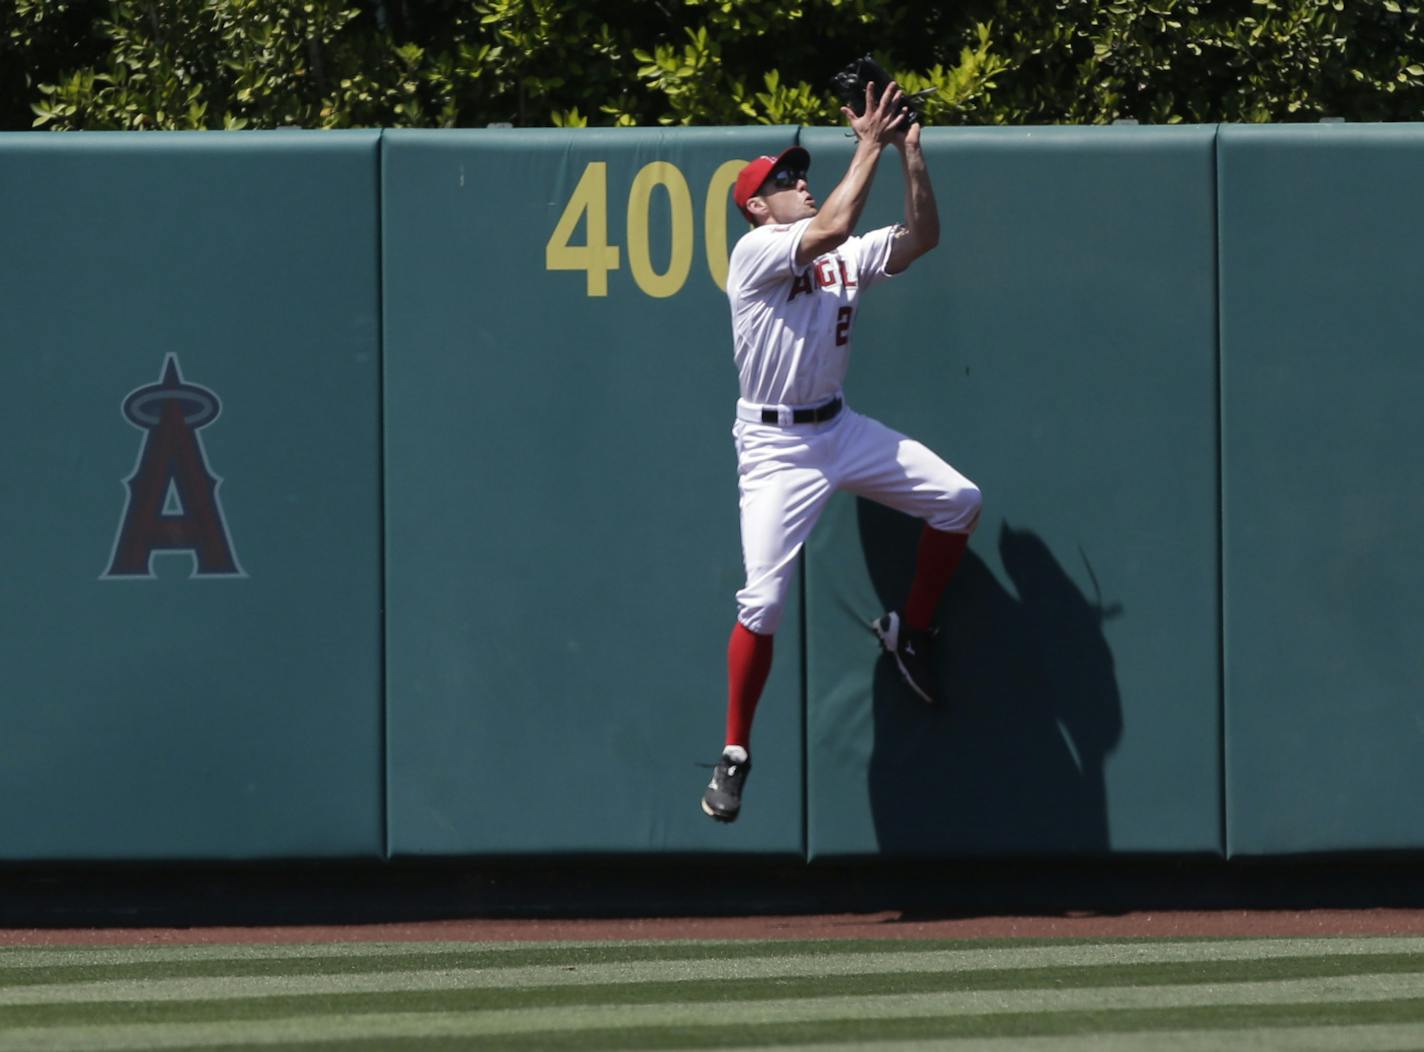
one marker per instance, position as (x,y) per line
(881,118)
(910,139)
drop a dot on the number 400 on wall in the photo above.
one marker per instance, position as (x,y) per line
(596,257)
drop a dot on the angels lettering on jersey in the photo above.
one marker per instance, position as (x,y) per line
(792,326)
(827,272)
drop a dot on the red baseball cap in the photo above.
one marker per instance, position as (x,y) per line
(750,178)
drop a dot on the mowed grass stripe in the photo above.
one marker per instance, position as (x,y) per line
(180,1001)
(1383,1038)
(933,1032)
(701,980)
(14,957)
(589,964)
(522,952)
(541,948)
(1138,1025)
(22,964)
(865,1020)
(1372,1038)
(525,952)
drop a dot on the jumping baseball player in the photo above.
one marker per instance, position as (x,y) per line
(795,282)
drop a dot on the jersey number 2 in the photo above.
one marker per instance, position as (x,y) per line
(843,317)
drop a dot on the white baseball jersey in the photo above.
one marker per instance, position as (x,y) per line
(791,330)
(792,334)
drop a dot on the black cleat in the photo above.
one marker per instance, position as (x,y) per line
(911,649)
(723,798)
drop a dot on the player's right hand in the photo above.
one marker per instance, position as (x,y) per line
(883,119)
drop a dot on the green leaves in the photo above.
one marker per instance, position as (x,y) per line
(568,63)
(180,64)
(1164,61)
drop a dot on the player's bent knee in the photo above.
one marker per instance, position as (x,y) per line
(962,515)
(761,602)
(763,620)
(976,506)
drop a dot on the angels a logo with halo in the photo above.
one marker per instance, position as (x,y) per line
(173,501)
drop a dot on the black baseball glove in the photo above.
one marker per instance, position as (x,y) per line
(849,85)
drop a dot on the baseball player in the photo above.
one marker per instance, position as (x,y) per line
(795,282)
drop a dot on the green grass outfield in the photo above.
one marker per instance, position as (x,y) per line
(1347,994)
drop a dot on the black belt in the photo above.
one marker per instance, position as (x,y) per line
(804,416)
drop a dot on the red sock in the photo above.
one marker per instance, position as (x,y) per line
(938,558)
(748,663)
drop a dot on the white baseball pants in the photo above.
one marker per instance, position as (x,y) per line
(787,473)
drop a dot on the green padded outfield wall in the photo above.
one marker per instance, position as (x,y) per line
(1060,349)
(1323,380)
(190,496)
(562,539)
(192,338)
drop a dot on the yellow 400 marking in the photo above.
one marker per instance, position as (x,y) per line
(596,257)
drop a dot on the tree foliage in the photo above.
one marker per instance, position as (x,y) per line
(68,64)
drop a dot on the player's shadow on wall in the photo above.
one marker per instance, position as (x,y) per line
(1012,759)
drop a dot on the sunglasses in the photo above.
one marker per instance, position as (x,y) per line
(786,178)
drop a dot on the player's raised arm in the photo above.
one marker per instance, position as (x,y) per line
(921,227)
(877,127)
